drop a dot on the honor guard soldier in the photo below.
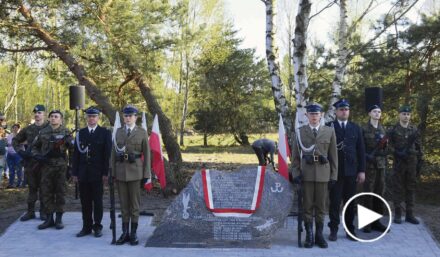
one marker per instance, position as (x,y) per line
(50,149)
(351,168)
(315,165)
(406,146)
(376,151)
(91,159)
(33,176)
(128,169)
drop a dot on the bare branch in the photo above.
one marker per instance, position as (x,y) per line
(323,9)
(27,49)
(353,26)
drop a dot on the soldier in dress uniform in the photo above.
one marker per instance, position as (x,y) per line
(33,176)
(91,159)
(317,170)
(128,169)
(406,145)
(351,168)
(50,149)
(376,161)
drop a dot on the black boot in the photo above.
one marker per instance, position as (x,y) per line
(48,222)
(410,218)
(309,235)
(59,220)
(125,237)
(319,238)
(367,229)
(42,216)
(133,237)
(398,215)
(333,234)
(30,214)
(377,226)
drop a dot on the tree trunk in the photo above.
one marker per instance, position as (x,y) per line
(281,104)
(14,84)
(185,102)
(74,66)
(341,63)
(205,139)
(300,61)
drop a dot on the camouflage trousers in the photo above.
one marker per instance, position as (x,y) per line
(374,183)
(53,187)
(404,182)
(33,177)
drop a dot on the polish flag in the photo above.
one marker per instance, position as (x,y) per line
(283,150)
(148,185)
(157,162)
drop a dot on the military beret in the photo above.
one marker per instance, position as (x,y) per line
(39,108)
(55,111)
(130,109)
(92,111)
(342,103)
(374,106)
(405,108)
(314,107)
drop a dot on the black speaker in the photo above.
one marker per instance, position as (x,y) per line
(373,96)
(77,97)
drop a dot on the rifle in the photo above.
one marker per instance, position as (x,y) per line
(300,213)
(380,145)
(112,207)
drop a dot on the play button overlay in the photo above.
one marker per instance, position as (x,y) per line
(367,217)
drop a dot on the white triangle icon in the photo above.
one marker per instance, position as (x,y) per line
(366,216)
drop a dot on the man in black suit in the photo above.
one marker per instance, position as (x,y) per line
(351,168)
(90,169)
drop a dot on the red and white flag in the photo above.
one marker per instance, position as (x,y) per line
(283,151)
(157,162)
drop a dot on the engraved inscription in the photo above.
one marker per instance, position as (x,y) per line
(232,229)
(233,191)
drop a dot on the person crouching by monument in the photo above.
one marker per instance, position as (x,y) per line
(91,159)
(128,169)
(50,150)
(406,145)
(376,161)
(351,168)
(262,148)
(317,170)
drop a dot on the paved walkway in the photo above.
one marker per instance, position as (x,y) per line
(24,239)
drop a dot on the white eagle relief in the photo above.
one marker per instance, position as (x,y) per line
(185,202)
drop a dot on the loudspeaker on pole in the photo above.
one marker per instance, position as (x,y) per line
(77,97)
(373,96)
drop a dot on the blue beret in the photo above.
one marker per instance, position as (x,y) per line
(314,107)
(92,110)
(405,108)
(341,103)
(374,106)
(39,108)
(130,109)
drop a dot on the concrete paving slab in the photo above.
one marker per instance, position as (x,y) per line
(23,239)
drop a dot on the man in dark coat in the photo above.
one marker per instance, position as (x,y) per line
(351,168)
(262,148)
(91,159)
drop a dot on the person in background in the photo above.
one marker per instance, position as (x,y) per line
(14,160)
(3,145)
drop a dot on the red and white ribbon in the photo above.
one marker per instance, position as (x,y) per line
(233,212)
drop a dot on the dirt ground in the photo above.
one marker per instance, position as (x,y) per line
(13,201)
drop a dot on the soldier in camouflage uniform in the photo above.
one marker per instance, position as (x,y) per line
(33,176)
(50,149)
(376,152)
(406,145)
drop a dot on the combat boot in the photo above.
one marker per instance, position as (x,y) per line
(398,215)
(125,237)
(133,237)
(48,222)
(410,218)
(319,238)
(377,226)
(59,220)
(309,235)
(30,214)
(333,234)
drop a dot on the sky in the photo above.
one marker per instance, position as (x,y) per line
(249,18)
